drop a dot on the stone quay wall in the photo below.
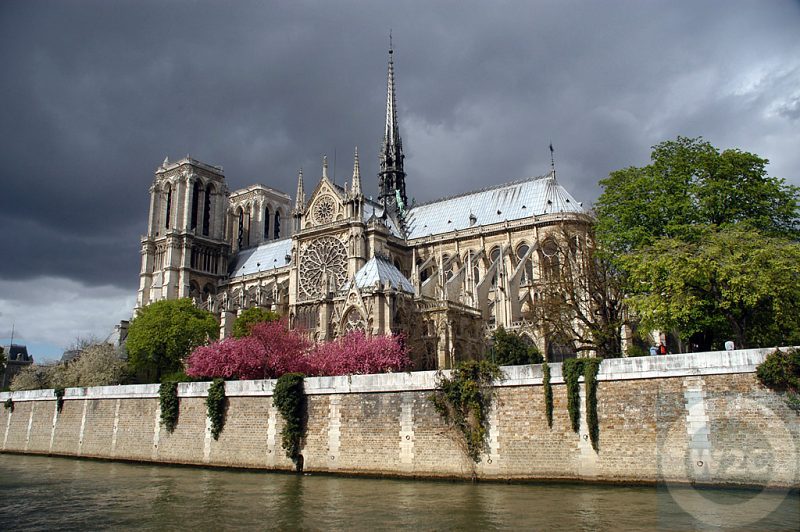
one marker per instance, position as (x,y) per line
(691,418)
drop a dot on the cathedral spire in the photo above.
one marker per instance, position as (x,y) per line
(356,190)
(300,200)
(392,177)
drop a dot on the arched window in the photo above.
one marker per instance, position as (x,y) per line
(448,267)
(207,209)
(169,206)
(423,274)
(266,223)
(493,257)
(195,204)
(472,257)
(551,264)
(527,271)
(277,225)
(240,240)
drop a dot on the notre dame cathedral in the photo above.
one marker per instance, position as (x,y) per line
(444,273)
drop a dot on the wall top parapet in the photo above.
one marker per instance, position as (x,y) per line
(649,367)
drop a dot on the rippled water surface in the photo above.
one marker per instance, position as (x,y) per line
(40,493)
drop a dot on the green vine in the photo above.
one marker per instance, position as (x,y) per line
(463,401)
(290,400)
(215,406)
(9,405)
(168,399)
(548,394)
(572,369)
(590,368)
(59,393)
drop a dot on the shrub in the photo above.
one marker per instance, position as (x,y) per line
(463,400)
(511,349)
(636,351)
(9,405)
(290,400)
(780,371)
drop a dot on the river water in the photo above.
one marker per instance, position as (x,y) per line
(41,493)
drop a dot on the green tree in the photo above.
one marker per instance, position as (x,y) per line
(245,321)
(705,240)
(733,281)
(511,349)
(163,334)
(689,186)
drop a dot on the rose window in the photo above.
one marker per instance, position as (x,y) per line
(323,266)
(323,210)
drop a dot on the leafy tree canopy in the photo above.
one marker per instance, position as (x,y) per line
(511,349)
(244,323)
(707,244)
(163,334)
(689,186)
(735,282)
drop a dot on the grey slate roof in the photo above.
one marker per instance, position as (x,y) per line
(379,270)
(264,257)
(513,201)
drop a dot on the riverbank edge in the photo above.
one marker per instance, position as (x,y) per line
(671,367)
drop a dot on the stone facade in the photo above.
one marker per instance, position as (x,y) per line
(445,273)
(698,417)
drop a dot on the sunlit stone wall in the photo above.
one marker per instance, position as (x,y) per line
(699,417)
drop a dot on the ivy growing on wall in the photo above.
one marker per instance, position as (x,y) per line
(9,405)
(59,393)
(290,400)
(463,401)
(168,399)
(215,406)
(590,368)
(572,369)
(548,394)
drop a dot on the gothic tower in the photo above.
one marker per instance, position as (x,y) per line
(392,177)
(184,253)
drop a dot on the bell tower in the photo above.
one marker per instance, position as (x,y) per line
(184,253)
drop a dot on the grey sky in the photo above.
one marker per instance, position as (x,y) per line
(96,94)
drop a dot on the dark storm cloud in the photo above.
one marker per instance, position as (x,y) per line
(95,94)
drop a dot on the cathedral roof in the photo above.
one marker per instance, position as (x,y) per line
(264,257)
(535,196)
(381,271)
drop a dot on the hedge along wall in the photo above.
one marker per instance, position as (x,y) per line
(699,417)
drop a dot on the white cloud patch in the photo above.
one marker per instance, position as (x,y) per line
(56,311)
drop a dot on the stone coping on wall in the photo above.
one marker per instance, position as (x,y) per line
(649,367)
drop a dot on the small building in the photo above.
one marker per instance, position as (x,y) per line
(17,357)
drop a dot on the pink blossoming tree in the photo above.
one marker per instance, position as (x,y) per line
(270,351)
(358,354)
